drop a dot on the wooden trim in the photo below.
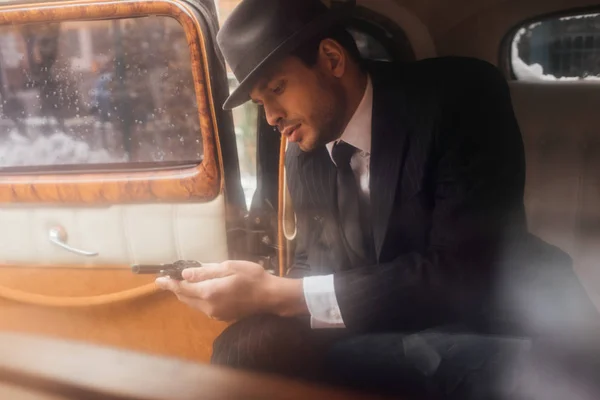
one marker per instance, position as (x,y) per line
(200,183)
(281,242)
(39,300)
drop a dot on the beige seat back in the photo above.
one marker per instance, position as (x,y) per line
(560,123)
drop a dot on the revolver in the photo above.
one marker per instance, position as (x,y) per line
(172,270)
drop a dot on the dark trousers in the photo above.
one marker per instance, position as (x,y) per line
(435,364)
(442,363)
(275,345)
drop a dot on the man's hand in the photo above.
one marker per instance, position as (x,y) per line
(237,289)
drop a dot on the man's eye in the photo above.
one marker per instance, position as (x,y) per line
(279,88)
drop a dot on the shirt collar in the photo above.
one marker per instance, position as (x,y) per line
(358,131)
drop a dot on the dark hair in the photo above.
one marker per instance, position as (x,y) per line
(308,52)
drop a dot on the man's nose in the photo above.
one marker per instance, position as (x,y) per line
(274,115)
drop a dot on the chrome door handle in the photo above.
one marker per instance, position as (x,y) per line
(58,236)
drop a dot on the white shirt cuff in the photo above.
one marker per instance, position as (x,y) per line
(319,293)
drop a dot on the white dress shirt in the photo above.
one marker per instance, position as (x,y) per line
(319,291)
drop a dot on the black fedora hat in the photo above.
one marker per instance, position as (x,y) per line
(259,33)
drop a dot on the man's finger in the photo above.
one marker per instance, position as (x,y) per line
(194,302)
(205,307)
(166,283)
(207,271)
(179,287)
(198,290)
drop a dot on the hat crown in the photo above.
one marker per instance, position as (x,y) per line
(254,21)
(256,30)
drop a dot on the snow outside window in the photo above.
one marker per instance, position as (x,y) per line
(558,49)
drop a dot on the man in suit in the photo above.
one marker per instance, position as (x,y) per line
(407,181)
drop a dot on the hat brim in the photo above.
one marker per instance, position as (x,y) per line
(241,94)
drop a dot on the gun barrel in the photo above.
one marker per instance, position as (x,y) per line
(148,269)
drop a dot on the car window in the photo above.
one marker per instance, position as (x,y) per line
(565,48)
(88,93)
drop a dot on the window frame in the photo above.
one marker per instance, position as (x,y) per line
(200,182)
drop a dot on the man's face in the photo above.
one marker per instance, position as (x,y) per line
(306,104)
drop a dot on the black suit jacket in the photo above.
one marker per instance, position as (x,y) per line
(447,182)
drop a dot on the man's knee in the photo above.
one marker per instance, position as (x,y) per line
(267,343)
(244,339)
(431,364)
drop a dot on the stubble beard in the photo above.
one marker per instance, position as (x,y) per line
(329,118)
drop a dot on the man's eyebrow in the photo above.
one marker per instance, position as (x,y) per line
(264,82)
(269,77)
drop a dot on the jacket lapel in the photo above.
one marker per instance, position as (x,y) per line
(388,150)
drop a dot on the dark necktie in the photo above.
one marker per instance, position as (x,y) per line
(348,201)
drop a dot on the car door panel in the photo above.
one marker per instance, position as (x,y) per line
(120,234)
(144,212)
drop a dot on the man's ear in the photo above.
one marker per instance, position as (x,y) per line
(333,56)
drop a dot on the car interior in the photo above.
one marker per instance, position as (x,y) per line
(115,151)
